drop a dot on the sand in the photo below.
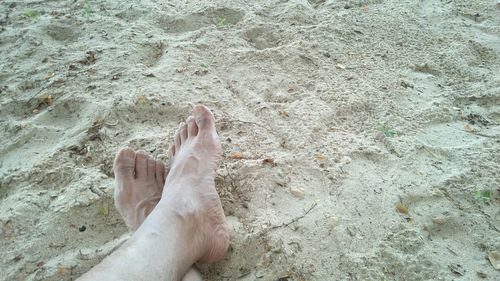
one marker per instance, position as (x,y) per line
(360,138)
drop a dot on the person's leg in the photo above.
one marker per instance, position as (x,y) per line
(139,183)
(187,224)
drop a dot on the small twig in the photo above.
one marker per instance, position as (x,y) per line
(485,135)
(453,252)
(111,125)
(292,221)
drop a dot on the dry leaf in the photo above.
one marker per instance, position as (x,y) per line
(45,99)
(268,161)
(321,160)
(297,192)
(236,155)
(401,208)
(99,122)
(61,270)
(89,59)
(141,99)
(104,210)
(50,75)
(470,128)
(283,113)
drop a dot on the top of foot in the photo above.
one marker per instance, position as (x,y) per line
(191,178)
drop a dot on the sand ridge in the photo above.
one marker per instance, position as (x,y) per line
(330,114)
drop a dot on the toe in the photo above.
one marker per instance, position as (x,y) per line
(204,118)
(167,170)
(177,139)
(124,163)
(141,164)
(192,129)
(160,173)
(171,151)
(183,134)
(151,171)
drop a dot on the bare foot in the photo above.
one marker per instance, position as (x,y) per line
(139,184)
(191,187)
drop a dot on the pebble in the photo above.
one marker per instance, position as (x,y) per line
(346,160)
(494,258)
(333,221)
(438,193)
(297,192)
(439,220)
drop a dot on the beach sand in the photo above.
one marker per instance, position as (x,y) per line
(360,137)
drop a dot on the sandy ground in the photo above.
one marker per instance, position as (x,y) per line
(361,138)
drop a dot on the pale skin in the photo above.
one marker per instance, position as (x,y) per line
(175,215)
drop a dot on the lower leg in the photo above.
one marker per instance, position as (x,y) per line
(151,254)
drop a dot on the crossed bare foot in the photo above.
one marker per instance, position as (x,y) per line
(189,185)
(139,183)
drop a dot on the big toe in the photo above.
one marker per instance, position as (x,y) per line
(124,163)
(204,118)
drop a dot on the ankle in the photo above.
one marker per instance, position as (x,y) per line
(178,231)
(201,237)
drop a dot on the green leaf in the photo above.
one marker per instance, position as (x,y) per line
(222,22)
(387,131)
(483,196)
(32,14)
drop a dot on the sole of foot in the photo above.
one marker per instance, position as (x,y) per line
(139,182)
